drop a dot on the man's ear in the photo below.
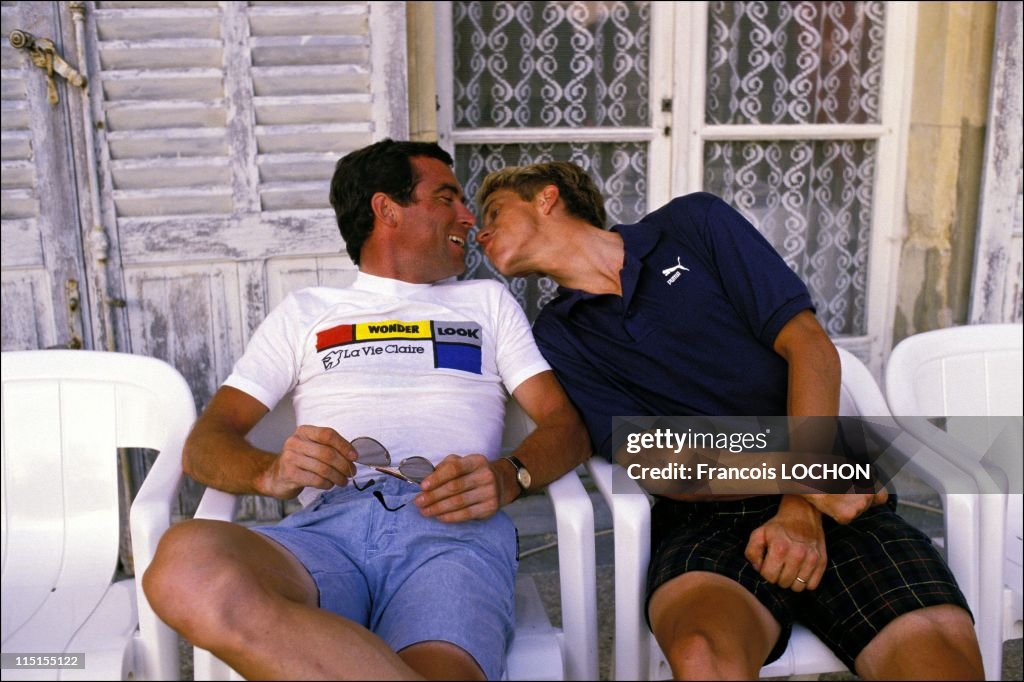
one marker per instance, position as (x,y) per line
(548,197)
(383,208)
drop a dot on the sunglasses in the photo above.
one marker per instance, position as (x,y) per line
(374,455)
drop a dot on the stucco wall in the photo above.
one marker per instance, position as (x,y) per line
(952,72)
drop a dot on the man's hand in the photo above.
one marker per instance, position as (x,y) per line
(790,546)
(315,456)
(460,489)
(844,508)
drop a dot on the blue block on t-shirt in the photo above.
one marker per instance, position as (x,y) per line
(458,356)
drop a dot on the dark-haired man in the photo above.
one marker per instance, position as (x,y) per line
(373,565)
(692,312)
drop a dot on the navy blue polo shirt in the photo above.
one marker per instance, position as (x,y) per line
(703,297)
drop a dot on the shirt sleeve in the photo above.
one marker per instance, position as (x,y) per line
(268,368)
(584,384)
(517,355)
(764,290)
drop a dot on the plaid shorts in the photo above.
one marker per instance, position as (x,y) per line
(879,567)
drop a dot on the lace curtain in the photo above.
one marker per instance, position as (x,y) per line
(794,62)
(801,63)
(543,65)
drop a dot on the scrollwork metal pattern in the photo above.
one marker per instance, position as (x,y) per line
(571,64)
(551,64)
(813,202)
(794,62)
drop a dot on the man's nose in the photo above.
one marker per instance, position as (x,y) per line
(466,216)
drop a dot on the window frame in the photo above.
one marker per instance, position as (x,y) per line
(677,137)
(658,135)
(891,133)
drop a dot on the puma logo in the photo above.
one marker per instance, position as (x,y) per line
(675,272)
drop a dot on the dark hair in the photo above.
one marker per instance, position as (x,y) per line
(384,166)
(576,188)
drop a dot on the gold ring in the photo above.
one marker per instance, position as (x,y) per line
(801,580)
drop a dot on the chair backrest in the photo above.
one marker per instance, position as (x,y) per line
(965,374)
(65,415)
(974,370)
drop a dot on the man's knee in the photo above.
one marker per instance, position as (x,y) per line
(711,627)
(936,636)
(699,654)
(692,646)
(190,578)
(945,624)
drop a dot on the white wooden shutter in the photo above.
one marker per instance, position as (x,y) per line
(222,126)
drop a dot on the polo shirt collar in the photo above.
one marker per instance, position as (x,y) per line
(638,241)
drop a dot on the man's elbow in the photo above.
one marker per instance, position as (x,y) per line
(804,339)
(580,441)
(188,458)
(196,444)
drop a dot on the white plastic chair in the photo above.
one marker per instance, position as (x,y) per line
(637,655)
(65,415)
(964,374)
(538,651)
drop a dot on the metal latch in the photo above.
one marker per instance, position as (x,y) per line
(43,54)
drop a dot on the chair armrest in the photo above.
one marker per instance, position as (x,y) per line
(631,519)
(958,491)
(574,519)
(975,530)
(945,452)
(149,519)
(217,505)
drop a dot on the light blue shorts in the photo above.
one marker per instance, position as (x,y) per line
(406,577)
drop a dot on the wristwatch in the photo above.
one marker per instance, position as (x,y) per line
(522,474)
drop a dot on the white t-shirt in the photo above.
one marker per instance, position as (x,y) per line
(423,368)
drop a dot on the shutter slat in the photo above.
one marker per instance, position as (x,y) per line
(172,126)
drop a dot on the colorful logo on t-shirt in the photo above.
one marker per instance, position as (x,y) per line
(454,345)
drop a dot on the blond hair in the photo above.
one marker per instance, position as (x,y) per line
(578,191)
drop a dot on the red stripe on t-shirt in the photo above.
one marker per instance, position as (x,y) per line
(335,336)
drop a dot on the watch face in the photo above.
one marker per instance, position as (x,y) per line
(523,476)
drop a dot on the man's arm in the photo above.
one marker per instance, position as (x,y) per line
(814,368)
(814,380)
(471,487)
(559,443)
(792,544)
(217,454)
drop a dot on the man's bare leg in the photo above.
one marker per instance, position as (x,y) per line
(441,661)
(249,601)
(711,628)
(933,643)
